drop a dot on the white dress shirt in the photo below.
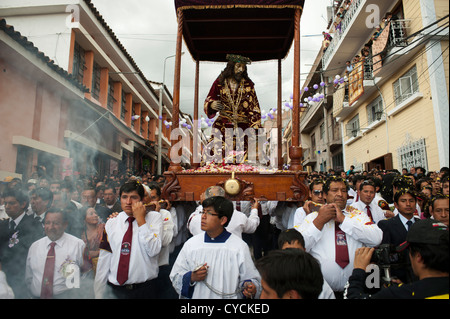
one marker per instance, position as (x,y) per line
(321,244)
(68,250)
(299,217)
(404,220)
(145,247)
(239,222)
(375,210)
(169,230)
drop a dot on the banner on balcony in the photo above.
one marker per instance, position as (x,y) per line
(378,45)
(338,99)
(356,82)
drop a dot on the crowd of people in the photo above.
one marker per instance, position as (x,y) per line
(115,237)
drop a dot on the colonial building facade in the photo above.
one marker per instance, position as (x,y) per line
(72,99)
(391,109)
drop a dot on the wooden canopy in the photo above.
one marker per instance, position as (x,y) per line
(260,30)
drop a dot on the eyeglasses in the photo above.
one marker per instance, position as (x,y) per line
(317,192)
(208,213)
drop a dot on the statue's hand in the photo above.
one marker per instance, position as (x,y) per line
(217,106)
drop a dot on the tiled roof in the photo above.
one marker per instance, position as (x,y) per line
(29,46)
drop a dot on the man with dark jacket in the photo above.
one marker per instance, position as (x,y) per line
(396,228)
(17,233)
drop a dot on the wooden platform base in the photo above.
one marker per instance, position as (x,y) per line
(279,186)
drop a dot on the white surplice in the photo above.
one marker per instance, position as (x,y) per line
(230,266)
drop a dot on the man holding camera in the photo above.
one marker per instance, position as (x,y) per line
(333,234)
(427,245)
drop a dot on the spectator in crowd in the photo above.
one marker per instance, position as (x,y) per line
(91,235)
(52,258)
(439,208)
(326,40)
(445,184)
(349,67)
(41,199)
(17,233)
(110,199)
(89,199)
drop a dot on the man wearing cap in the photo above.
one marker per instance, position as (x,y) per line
(427,245)
(233,96)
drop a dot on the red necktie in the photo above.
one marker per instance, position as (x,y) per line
(369,213)
(49,270)
(342,258)
(238,206)
(125,251)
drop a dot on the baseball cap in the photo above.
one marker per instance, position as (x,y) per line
(426,231)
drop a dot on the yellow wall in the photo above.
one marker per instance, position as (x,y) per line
(414,122)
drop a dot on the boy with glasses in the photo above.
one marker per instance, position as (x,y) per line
(215,264)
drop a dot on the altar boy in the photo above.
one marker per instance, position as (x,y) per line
(216,263)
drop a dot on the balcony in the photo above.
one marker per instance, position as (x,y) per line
(309,157)
(354,33)
(334,137)
(313,115)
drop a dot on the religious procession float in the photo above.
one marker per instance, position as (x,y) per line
(236,33)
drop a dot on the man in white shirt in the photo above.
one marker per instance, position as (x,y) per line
(128,260)
(367,204)
(316,195)
(215,264)
(333,234)
(66,251)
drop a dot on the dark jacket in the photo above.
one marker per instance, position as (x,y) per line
(14,245)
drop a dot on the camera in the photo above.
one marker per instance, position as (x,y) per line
(387,255)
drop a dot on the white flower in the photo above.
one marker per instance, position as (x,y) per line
(14,240)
